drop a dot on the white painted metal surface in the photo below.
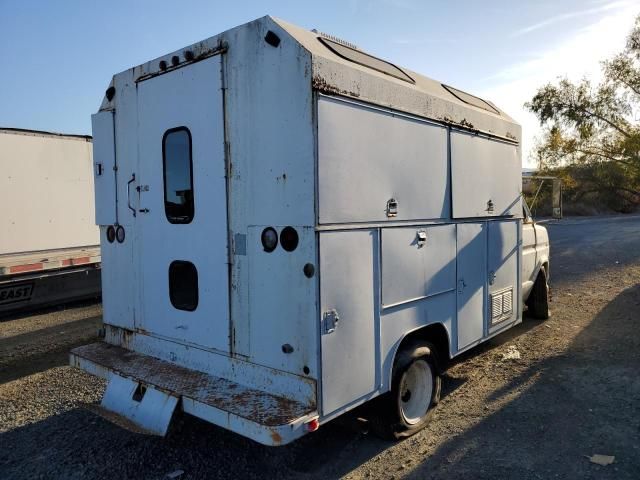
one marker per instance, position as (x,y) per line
(190,98)
(269,120)
(120,275)
(348,266)
(413,267)
(274,322)
(46,186)
(367,157)
(529,256)
(104,167)
(471,285)
(502,267)
(485,177)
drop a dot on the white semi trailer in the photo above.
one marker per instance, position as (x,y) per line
(292,227)
(49,245)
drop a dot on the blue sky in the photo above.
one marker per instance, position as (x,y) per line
(58,56)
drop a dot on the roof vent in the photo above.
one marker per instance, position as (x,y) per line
(335,39)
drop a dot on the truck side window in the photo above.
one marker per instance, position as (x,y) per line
(183,285)
(178,175)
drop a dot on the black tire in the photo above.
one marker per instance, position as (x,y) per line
(538,301)
(389,420)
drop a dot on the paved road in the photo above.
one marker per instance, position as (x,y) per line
(583,244)
(574,392)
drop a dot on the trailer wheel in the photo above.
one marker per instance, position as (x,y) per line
(538,301)
(415,390)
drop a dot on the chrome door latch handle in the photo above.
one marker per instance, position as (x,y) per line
(392,207)
(461,285)
(492,277)
(421,238)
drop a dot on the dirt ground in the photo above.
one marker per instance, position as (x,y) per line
(574,392)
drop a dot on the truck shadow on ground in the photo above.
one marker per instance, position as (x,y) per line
(582,401)
(36,351)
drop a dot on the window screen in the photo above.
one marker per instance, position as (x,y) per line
(471,99)
(178,175)
(183,285)
(361,58)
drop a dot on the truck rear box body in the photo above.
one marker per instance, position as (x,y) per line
(362,175)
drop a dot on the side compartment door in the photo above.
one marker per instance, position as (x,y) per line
(502,264)
(486,179)
(348,262)
(104,163)
(471,282)
(529,254)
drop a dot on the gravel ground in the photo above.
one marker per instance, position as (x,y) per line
(574,392)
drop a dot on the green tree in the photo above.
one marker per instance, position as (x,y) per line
(591,133)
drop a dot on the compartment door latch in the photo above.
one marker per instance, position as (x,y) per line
(330,320)
(392,208)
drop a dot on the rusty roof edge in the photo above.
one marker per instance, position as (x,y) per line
(362,86)
(335,75)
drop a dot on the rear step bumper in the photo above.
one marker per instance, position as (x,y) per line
(146,391)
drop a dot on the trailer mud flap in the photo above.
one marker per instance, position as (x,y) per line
(146,407)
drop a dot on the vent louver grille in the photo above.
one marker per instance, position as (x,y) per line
(501,305)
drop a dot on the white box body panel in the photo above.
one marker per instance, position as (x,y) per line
(503,271)
(472,279)
(368,156)
(412,269)
(47,189)
(349,269)
(485,177)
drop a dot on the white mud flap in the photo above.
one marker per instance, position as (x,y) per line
(144,406)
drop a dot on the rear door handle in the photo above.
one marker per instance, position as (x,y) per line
(133,179)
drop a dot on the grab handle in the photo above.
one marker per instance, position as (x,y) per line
(133,179)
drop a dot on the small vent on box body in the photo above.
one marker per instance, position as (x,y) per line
(501,305)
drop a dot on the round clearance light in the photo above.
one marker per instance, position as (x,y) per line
(269,239)
(289,239)
(111,234)
(120,234)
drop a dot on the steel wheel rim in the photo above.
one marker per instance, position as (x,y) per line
(416,389)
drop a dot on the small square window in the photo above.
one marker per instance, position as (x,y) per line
(183,285)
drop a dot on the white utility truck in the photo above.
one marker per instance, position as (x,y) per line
(300,227)
(49,245)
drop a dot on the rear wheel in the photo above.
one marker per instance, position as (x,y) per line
(538,301)
(414,392)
